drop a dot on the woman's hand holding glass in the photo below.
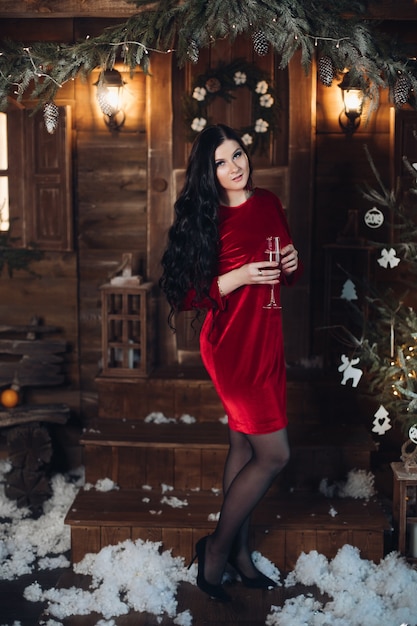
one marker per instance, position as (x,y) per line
(261,272)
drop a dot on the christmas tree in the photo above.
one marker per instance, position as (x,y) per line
(388,348)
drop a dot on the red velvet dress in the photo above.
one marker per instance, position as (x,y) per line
(241,342)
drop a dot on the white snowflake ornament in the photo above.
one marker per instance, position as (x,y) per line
(388,257)
(382,422)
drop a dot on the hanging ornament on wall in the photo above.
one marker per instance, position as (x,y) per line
(388,257)
(412,433)
(349,291)
(349,371)
(382,422)
(193,51)
(50,116)
(374,218)
(326,71)
(260,43)
(401,90)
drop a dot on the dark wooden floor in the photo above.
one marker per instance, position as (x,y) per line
(248,607)
(13,606)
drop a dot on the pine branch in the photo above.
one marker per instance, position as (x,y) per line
(336,29)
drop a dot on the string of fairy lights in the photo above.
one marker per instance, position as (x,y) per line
(44,67)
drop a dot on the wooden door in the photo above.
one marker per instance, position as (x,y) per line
(285,168)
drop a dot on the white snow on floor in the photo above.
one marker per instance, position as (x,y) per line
(140,576)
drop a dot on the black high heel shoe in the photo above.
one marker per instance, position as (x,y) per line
(216,592)
(260,582)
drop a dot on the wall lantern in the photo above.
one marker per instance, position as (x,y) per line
(109,97)
(350,117)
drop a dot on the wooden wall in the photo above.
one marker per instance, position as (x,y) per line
(111,203)
(117,177)
(109,217)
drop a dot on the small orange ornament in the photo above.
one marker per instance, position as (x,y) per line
(9,398)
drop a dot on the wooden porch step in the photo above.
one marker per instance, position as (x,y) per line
(176,390)
(191,456)
(282,527)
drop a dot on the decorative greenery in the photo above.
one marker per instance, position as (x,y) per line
(16,258)
(338,30)
(388,349)
(223,81)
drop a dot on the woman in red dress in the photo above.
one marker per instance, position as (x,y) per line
(215,260)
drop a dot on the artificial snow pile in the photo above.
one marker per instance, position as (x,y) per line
(360,592)
(130,576)
(359,484)
(26,543)
(138,576)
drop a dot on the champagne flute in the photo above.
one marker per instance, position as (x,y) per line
(273,252)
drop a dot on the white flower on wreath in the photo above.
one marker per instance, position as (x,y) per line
(261,87)
(199,94)
(198,124)
(239,78)
(266,101)
(247,139)
(261,126)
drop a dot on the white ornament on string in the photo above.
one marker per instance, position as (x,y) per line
(374,218)
(412,433)
(382,422)
(349,291)
(388,257)
(349,371)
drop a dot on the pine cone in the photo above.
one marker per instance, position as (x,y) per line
(402,90)
(193,51)
(260,43)
(326,71)
(50,116)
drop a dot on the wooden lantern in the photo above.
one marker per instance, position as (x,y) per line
(127,349)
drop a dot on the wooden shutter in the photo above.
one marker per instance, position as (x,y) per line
(48,183)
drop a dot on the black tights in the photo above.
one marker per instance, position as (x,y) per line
(253,462)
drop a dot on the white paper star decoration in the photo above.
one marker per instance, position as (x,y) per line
(388,257)
(349,371)
(382,422)
(349,291)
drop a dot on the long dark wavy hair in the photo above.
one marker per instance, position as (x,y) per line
(191,257)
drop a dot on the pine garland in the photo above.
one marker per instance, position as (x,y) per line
(338,30)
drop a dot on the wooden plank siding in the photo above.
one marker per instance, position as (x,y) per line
(112,209)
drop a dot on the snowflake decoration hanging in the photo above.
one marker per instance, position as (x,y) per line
(382,422)
(388,257)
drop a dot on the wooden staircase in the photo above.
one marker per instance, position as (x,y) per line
(169,475)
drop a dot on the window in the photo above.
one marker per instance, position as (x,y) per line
(4,175)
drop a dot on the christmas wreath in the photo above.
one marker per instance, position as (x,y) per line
(222,82)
